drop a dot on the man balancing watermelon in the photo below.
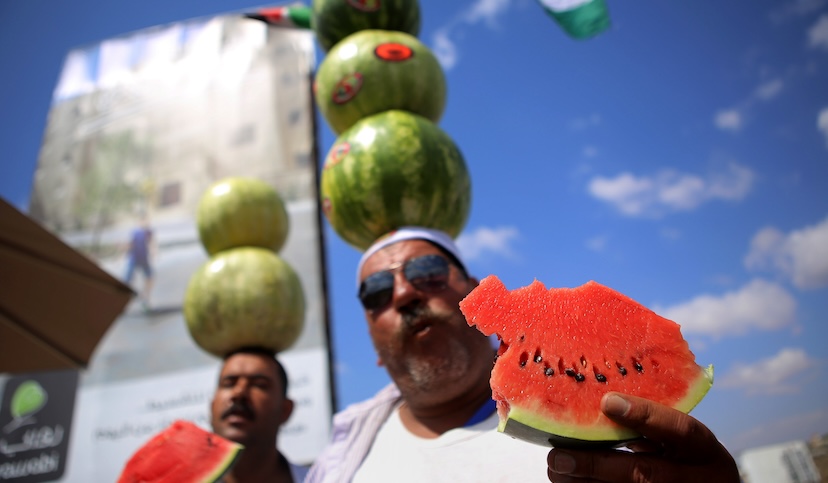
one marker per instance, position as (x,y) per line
(437,421)
(249,406)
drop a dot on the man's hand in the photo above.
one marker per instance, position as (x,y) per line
(676,448)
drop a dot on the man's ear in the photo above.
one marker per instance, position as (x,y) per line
(379,362)
(287,410)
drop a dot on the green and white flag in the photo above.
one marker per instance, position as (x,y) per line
(580,19)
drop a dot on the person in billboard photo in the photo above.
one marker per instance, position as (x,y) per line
(139,252)
(249,407)
(437,420)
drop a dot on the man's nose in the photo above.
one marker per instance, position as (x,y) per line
(404,291)
(239,391)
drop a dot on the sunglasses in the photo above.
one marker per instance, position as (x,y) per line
(428,273)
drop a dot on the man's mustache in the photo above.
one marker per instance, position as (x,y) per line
(239,408)
(416,315)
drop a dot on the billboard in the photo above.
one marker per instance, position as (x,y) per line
(140,126)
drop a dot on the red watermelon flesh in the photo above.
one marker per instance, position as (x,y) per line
(181,453)
(562,349)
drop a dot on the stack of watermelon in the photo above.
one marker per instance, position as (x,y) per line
(382,92)
(245,294)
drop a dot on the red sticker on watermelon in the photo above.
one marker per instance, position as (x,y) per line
(347,88)
(327,206)
(365,5)
(338,153)
(394,52)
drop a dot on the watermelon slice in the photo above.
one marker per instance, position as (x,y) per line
(562,349)
(182,453)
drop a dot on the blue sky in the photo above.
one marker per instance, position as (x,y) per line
(680,157)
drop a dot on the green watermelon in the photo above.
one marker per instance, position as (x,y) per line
(181,453)
(563,349)
(333,20)
(241,297)
(241,211)
(376,70)
(390,170)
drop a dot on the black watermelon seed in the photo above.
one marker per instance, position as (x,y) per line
(622,370)
(548,371)
(580,377)
(570,372)
(600,377)
(538,357)
(524,357)
(638,366)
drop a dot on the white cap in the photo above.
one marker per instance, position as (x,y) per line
(437,237)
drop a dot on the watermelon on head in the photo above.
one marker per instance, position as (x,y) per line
(373,71)
(243,297)
(563,349)
(333,20)
(241,211)
(181,453)
(390,170)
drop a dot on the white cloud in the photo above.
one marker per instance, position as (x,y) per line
(795,8)
(670,191)
(484,239)
(597,243)
(486,11)
(774,375)
(822,123)
(801,255)
(581,123)
(728,120)
(670,233)
(342,368)
(592,151)
(444,49)
(733,119)
(759,305)
(818,34)
(770,89)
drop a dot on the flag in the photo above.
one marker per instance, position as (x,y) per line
(580,19)
(297,16)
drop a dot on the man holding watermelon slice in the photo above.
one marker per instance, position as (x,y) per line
(437,421)
(249,406)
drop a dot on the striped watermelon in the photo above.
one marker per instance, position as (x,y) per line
(246,296)
(241,212)
(333,20)
(394,169)
(376,70)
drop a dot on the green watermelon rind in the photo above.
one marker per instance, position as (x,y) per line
(333,20)
(224,466)
(535,429)
(422,179)
(416,84)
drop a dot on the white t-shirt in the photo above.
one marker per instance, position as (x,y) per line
(476,453)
